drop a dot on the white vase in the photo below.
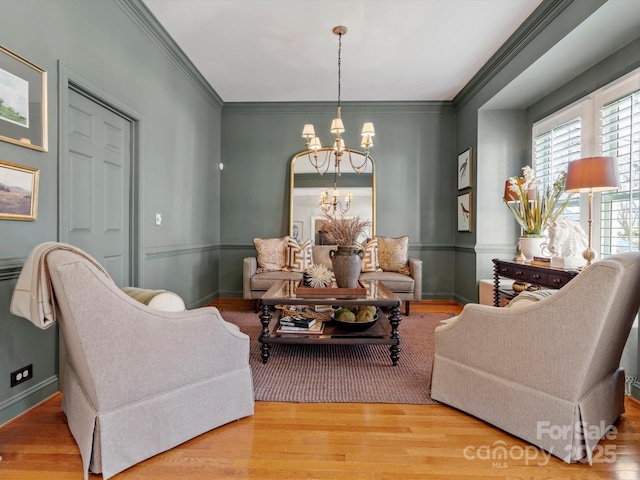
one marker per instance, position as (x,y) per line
(531,247)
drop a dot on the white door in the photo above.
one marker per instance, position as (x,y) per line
(98,177)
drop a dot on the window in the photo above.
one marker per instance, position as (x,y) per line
(607,122)
(553,150)
(620,137)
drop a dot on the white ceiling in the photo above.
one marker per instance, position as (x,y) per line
(284,50)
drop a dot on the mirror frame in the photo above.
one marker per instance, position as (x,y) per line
(304,155)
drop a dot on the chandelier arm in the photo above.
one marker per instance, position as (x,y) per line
(363,166)
(316,164)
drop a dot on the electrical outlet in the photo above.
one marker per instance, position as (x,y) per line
(21,375)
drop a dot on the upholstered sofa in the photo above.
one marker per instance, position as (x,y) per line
(406,283)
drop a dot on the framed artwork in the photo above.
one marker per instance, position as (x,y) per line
(18,192)
(464,169)
(464,212)
(23,102)
(296,230)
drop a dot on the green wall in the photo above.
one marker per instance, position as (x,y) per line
(111,45)
(415,176)
(495,136)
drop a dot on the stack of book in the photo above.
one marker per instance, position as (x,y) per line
(304,325)
(541,261)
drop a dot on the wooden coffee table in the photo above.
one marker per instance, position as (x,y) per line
(383,332)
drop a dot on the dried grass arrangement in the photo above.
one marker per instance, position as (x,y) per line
(344,231)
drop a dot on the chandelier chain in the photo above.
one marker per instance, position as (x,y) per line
(339,64)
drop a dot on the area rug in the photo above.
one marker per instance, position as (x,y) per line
(344,373)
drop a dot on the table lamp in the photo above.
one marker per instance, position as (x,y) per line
(588,175)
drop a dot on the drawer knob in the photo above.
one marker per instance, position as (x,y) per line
(519,272)
(536,277)
(556,281)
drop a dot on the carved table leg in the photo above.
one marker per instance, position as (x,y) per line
(394,320)
(496,286)
(265,319)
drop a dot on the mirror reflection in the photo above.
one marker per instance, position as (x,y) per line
(348,194)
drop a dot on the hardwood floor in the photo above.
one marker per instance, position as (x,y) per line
(325,442)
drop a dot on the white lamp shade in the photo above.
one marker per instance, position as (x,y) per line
(368,130)
(315,144)
(337,126)
(308,131)
(366,142)
(593,174)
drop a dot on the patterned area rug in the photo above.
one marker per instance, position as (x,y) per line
(344,373)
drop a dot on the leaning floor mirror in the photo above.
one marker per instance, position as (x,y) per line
(340,191)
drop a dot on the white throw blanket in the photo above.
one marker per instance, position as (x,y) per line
(33,297)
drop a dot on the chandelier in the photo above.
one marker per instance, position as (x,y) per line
(331,205)
(337,128)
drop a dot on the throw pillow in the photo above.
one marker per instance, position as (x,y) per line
(393,254)
(527,298)
(271,253)
(298,257)
(370,261)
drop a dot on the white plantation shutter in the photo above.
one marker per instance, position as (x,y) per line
(553,150)
(620,138)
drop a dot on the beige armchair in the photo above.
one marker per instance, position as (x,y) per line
(140,381)
(544,371)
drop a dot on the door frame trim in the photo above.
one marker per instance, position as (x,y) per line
(70,79)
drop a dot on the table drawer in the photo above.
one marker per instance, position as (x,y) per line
(519,273)
(504,270)
(538,278)
(558,281)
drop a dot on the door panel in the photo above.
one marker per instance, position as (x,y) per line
(99,166)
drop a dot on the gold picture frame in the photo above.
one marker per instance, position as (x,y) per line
(23,102)
(465,212)
(465,160)
(18,192)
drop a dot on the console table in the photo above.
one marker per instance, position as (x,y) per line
(547,277)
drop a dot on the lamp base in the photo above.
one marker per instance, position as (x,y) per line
(589,255)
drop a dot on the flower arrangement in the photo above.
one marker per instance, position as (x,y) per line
(535,210)
(344,231)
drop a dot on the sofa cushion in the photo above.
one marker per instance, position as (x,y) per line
(298,256)
(264,280)
(396,282)
(370,261)
(321,255)
(393,254)
(271,253)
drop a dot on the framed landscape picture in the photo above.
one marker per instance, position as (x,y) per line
(464,169)
(464,212)
(18,192)
(23,102)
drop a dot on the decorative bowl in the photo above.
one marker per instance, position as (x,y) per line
(354,326)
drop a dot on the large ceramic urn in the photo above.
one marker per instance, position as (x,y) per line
(347,265)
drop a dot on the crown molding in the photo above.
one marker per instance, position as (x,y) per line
(236,108)
(535,24)
(150,26)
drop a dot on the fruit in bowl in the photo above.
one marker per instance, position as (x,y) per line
(355,318)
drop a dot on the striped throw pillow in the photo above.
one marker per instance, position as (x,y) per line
(298,255)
